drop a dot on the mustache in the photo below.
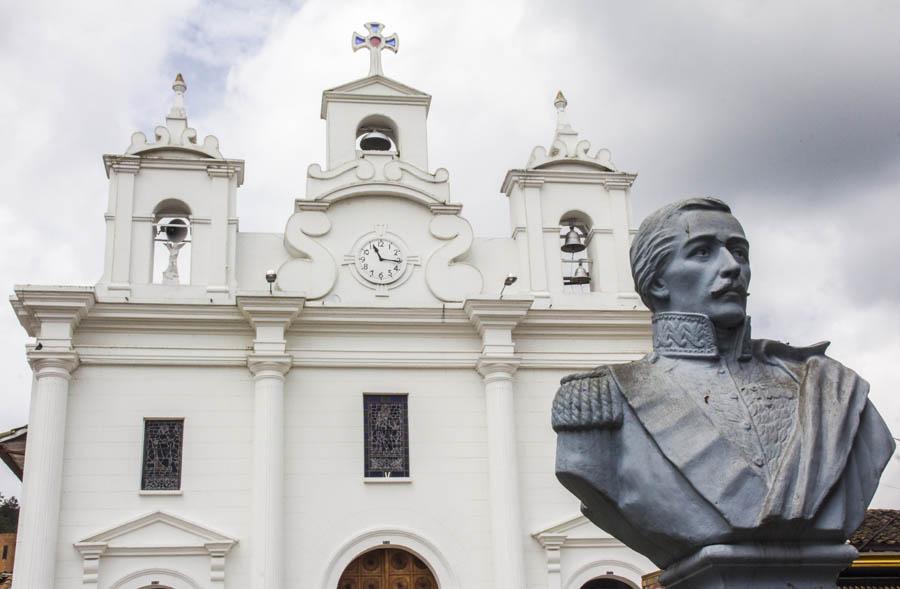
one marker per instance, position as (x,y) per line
(723,287)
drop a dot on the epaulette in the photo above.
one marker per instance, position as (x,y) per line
(589,400)
(785,351)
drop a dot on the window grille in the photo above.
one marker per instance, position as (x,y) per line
(163,442)
(386,436)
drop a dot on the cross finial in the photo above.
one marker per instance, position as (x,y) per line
(375,42)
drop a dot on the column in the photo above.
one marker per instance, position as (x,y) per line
(267,516)
(495,320)
(506,517)
(270,315)
(35,566)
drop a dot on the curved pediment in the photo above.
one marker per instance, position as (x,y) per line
(177,143)
(377,175)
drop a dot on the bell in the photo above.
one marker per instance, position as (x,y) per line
(375,141)
(176,230)
(572,242)
(581,275)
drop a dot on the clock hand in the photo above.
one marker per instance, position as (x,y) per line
(375,247)
(390,260)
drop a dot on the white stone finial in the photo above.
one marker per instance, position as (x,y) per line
(566,145)
(177,111)
(560,101)
(176,133)
(375,42)
(562,120)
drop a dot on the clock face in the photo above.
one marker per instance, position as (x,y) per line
(380,261)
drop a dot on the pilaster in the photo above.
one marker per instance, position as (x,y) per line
(495,320)
(270,315)
(49,314)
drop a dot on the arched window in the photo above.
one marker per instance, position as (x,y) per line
(172,242)
(574,233)
(377,133)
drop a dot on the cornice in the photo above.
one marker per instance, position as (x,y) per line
(411,100)
(497,313)
(166,317)
(530,177)
(34,305)
(214,167)
(267,308)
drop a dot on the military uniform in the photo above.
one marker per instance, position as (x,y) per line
(785,430)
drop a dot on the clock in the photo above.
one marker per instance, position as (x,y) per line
(380,261)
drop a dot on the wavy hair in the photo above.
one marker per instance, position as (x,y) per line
(653,245)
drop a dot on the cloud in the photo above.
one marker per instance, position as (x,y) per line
(788,111)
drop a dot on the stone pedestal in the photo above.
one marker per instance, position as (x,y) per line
(757,566)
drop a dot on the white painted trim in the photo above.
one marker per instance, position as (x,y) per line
(387,480)
(403,538)
(160,493)
(599,568)
(209,542)
(164,577)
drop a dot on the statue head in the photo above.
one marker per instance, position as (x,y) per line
(692,256)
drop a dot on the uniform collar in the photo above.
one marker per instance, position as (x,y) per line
(693,335)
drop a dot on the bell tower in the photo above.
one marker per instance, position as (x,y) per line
(570,213)
(376,113)
(171,221)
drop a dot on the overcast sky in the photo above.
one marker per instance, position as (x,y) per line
(789,111)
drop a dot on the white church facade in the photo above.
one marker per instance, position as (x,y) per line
(360,402)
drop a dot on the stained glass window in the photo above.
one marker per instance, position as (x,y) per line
(387,436)
(163,441)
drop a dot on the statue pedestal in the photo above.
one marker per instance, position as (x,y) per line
(760,566)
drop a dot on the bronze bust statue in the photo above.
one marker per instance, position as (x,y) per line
(715,438)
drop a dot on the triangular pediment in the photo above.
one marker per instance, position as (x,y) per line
(376,90)
(376,85)
(157,530)
(573,529)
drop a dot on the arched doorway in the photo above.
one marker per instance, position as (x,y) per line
(387,568)
(605,584)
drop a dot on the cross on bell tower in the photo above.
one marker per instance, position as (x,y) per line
(375,42)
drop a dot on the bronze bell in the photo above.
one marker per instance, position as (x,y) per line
(581,275)
(573,242)
(375,141)
(176,230)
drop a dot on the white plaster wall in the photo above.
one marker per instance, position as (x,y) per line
(327,502)
(344,118)
(102,465)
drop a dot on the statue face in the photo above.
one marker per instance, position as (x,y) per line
(709,270)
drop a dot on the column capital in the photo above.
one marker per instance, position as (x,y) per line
(497,367)
(269,364)
(52,363)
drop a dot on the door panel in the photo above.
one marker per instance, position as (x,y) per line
(387,568)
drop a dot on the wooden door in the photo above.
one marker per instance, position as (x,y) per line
(387,568)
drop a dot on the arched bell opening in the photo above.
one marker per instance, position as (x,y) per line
(383,568)
(377,133)
(172,242)
(574,235)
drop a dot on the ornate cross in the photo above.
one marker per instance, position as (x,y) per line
(375,42)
